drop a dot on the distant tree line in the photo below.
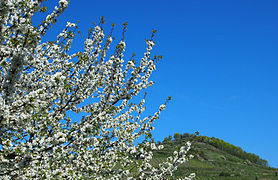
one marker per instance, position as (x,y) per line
(220,144)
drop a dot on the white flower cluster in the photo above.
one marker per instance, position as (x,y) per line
(63,3)
(43,88)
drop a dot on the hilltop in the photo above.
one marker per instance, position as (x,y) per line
(215,159)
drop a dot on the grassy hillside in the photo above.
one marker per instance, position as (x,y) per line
(216,159)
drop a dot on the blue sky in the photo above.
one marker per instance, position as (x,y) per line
(220,61)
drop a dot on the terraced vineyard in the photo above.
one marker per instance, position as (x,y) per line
(211,162)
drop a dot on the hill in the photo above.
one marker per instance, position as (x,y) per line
(215,159)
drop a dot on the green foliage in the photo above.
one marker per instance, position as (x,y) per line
(177,136)
(224,174)
(215,159)
(227,147)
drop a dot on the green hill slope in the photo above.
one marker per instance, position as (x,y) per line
(216,159)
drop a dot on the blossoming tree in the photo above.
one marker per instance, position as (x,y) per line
(43,85)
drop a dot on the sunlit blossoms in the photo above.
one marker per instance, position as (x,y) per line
(44,88)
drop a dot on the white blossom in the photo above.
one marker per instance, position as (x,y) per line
(63,3)
(44,88)
(69,24)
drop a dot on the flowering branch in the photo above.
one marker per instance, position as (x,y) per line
(43,86)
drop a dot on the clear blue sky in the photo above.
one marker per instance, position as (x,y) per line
(220,64)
